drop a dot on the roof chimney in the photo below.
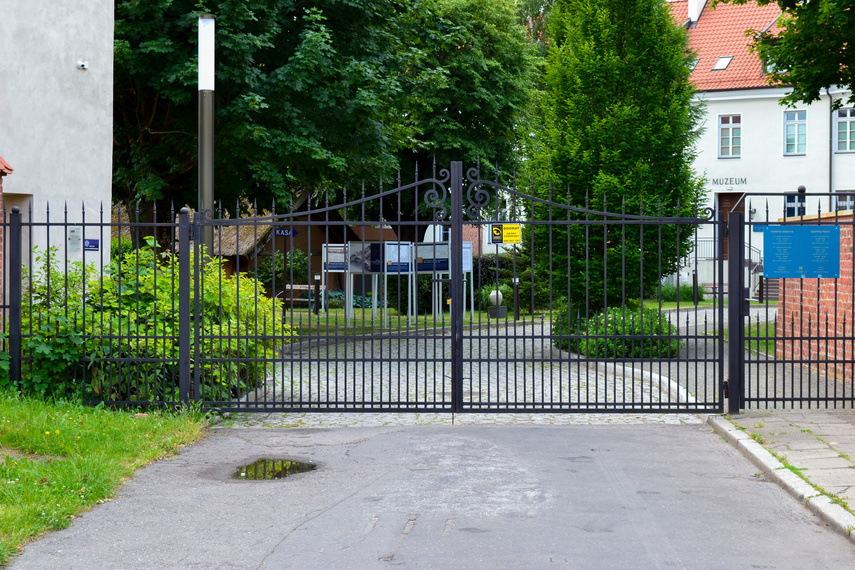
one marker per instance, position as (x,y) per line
(695,9)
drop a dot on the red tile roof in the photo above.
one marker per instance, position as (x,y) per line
(719,32)
(4,167)
(679,10)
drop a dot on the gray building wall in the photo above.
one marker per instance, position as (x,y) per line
(56,120)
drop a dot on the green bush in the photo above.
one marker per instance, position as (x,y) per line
(670,292)
(119,330)
(603,335)
(287,267)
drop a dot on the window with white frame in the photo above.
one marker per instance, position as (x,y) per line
(729,136)
(844,200)
(795,205)
(845,130)
(795,132)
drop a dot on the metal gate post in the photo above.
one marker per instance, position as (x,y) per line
(184,323)
(15,296)
(456,252)
(735,316)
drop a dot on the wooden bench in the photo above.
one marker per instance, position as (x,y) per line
(292,293)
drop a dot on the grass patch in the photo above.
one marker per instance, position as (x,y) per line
(333,322)
(759,337)
(757,437)
(57,459)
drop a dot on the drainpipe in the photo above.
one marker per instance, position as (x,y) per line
(830,149)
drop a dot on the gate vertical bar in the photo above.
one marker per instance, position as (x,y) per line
(184,323)
(456,252)
(735,320)
(15,296)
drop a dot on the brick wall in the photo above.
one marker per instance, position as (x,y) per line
(821,311)
(472,232)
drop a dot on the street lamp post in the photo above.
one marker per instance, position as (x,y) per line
(206,124)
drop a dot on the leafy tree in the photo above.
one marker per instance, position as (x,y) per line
(305,93)
(477,114)
(314,96)
(621,138)
(810,49)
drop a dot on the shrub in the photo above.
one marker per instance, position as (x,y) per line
(670,292)
(118,331)
(604,335)
(287,267)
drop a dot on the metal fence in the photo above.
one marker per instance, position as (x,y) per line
(796,350)
(384,301)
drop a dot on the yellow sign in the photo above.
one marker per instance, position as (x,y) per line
(505,233)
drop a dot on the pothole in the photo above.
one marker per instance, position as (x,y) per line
(265,468)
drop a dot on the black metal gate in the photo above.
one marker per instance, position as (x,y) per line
(380,301)
(794,346)
(570,336)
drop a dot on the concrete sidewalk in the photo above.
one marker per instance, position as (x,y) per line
(810,453)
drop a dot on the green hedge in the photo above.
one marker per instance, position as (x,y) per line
(604,334)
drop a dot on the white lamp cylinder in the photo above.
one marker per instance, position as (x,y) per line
(207,29)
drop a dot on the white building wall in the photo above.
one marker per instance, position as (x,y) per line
(56,119)
(763,166)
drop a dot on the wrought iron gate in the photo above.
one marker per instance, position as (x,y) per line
(795,343)
(571,336)
(382,301)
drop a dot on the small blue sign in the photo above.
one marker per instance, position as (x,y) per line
(802,251)
(91,245)
(285,232)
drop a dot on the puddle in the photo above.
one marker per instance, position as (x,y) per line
(272,469)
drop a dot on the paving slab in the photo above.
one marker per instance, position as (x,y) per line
(818,444)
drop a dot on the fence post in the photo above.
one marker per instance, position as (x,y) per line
(735,317)
(15,296)
(456,263)
(184,323)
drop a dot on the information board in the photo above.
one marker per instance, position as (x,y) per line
(397,256)
(335,257)
(801,251)
(467,257)
(432,257)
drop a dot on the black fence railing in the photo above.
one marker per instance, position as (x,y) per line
(555,307)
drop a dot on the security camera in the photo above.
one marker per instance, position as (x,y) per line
(82,64)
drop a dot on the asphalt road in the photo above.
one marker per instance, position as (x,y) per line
(640,496)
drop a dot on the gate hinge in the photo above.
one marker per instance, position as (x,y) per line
(725,229)
(726,389)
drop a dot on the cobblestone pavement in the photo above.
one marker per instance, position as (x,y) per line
(508,366)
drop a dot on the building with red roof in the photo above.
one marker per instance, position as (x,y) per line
(750,142)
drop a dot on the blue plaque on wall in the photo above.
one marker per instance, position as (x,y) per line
(801,251)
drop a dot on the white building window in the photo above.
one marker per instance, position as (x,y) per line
(795,205)
(729,136)
(844,200)
(845,130)
(795,132)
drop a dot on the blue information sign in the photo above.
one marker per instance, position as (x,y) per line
(802,251)
(285,232)
(91,244)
